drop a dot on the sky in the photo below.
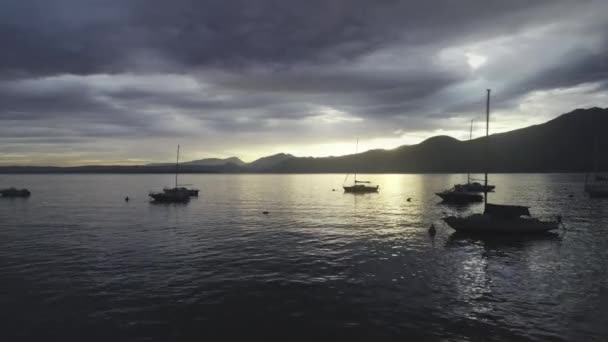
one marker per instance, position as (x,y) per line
(125,81)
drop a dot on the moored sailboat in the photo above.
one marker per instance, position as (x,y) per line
(465,193)
(459,195)
(14,192)
(499,219)
(475,186)
(359,186)
(177,194)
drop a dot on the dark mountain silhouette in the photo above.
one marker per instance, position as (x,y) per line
(207,162)
(268,163)
(565,144)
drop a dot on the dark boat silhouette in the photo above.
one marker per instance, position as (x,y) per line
(14,192)
(359,186)
(499,219)
(496,218)
(177,194)
(459,195)
(174,195)
(465,193)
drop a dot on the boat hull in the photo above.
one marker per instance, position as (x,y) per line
(476,187)
(455,197)
(191,192)
(171,196)
(487,224)
(361,189)
(12,192)
(164,198)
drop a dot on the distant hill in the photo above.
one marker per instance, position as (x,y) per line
(268,163)
(207,162)
(216,162)
(564,144)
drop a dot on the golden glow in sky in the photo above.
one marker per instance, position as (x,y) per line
(475,61)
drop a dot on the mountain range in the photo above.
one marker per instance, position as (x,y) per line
(573,142)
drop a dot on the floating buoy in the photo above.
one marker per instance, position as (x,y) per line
(571,195)
(432,230)
(333,189)
(265,212)
(409,199)
(127,199)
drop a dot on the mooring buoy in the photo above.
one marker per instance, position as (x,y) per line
(432,230)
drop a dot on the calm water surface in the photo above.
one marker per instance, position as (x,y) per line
(77,263)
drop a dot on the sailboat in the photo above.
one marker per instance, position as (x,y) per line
(475,186)
(465,193)
(14,192)
(177,194)
(499,219)
(359,186)
(596,185)
(461,194)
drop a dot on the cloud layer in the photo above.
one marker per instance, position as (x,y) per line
(117,81)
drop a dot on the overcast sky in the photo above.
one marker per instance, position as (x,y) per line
(124,81)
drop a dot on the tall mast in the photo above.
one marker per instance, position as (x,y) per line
(470,138)
(356,151)
(485,183)
(176,166)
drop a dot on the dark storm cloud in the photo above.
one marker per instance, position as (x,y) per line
(93,36)
(151,69)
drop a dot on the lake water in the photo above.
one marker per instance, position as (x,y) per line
(77,263)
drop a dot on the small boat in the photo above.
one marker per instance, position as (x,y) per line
(14,192)
(500,219)
(359,186)
(459,195)
(466,193)
(177,194)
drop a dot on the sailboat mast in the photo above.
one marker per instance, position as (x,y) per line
(356,151)
(485,182)
(176,166)
(470,138)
